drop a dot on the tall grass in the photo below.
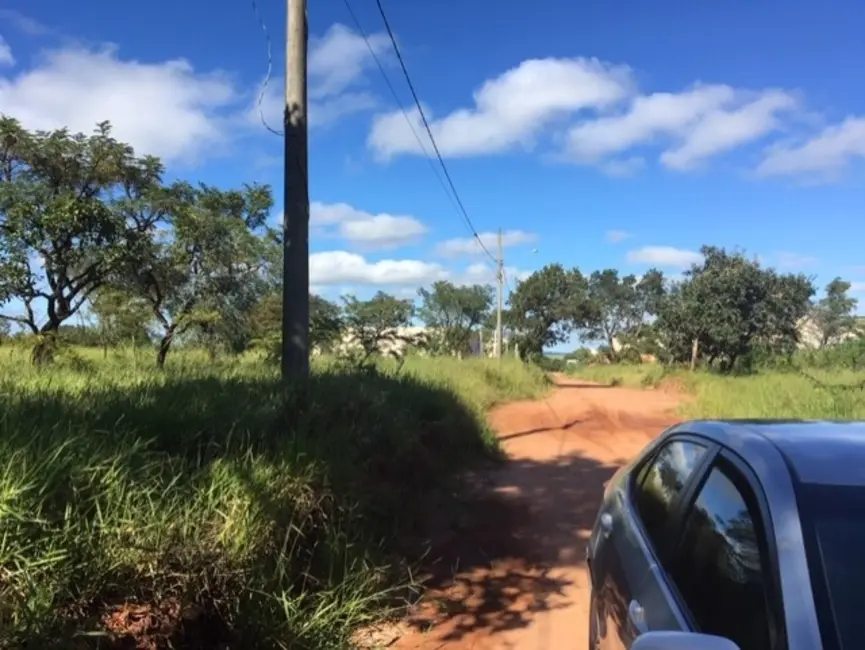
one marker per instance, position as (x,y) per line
(771,393)
(180,509)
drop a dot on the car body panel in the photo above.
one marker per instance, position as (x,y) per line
(636,574)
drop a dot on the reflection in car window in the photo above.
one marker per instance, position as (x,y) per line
(662,482)
(718,566)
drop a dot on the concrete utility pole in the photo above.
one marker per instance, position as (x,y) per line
(295,220)
(500,274)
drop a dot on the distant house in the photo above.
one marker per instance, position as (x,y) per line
(810,334)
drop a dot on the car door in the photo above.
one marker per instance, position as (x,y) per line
(633,530)
(723,571)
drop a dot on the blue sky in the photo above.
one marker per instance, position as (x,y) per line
(598,134)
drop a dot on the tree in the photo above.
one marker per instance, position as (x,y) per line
(618,308)
(546,307)
(326,323)
(211,259)
(73,209)
(727,308)
(121,317)
(375,324)
(834,314)
(454,312)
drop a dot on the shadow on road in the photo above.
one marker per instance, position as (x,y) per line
(500,569)
(529,432)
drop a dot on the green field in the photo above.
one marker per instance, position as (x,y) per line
(767,394)
(185,500)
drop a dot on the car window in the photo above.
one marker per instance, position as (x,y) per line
(718,566)
(834,530)
(661,481)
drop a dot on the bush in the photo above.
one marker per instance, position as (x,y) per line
(181,505)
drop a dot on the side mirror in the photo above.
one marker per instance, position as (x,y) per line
(681,641)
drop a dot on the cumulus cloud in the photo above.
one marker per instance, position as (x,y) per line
(343,267)
(481,273)
(337,66)
(370,231)
(509,110)
(700,122)
(610,118)
(471,246)
(6,58)
(169,109)
(664,256)
(822,157)
(857,287)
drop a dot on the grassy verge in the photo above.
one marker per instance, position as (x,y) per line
(768,394)
(179,509)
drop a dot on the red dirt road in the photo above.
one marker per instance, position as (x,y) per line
(514,576)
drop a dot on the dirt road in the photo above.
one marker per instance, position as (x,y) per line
(514,576)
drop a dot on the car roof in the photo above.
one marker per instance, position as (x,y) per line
(823,452)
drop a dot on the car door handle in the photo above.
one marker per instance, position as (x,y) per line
(606,524)
(637,618)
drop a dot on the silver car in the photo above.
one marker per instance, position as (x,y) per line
(734,534)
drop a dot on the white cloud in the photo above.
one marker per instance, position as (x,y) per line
(509,110)
(723,130)
(490,240)
(481,273)
(615,236)
(342,267)
(337,64)
(790,260)
(825,155)
(6,58)
(664,256)
(370,231)
(701,122)
(857,287)
(168,108)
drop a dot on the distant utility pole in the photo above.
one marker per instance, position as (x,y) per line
(500,275)
(295,219)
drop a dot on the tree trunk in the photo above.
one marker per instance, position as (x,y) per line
(695,350)
(164,347)
(46,344)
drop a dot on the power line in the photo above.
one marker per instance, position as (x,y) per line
(269,71)
(402,109)
(463,211)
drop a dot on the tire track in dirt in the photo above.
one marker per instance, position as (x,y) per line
(514,575)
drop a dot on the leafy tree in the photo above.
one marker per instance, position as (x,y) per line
(727,308)
(211,259)
(374,324)
(121,317)
(546,307)
(618,308)
(454,312)
(326,323)
(73,209)
(834,314)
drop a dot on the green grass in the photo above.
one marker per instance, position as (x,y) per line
(186,494)
(767,394)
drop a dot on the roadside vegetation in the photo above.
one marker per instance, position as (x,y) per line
(161,488)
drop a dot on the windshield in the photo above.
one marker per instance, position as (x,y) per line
(833,521)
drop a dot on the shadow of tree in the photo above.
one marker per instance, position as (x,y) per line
(502,566)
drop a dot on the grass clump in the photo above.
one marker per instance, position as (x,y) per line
(178,509)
